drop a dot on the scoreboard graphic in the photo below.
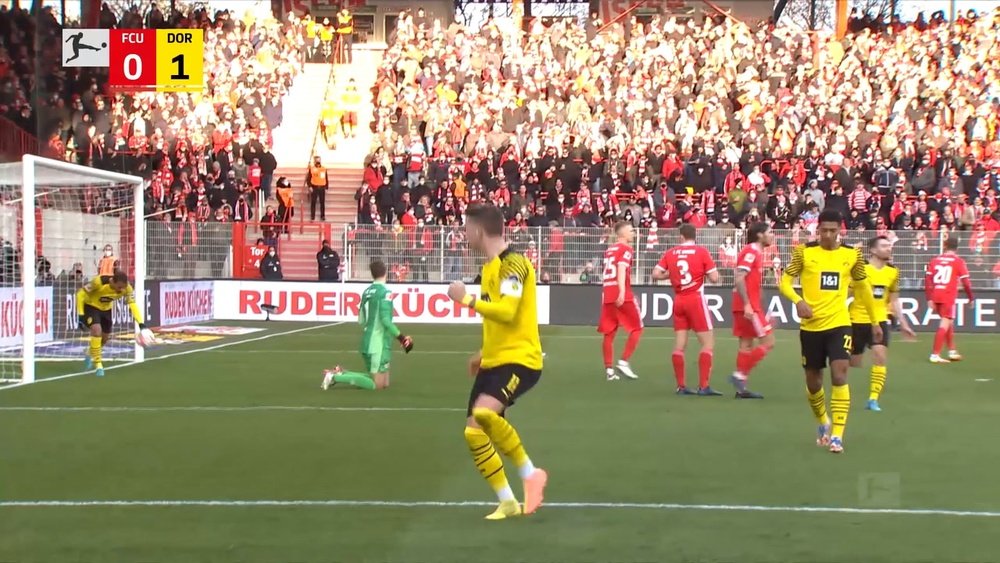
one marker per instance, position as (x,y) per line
(162,60)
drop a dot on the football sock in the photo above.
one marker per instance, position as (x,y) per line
(631,344)
(608,347)
(950,337)
(939,338)
(488,462)
(506,439)
(840,404)
(356,379)
(704,368)
(678,359)
(877,382)
(95,350)
(757,355)
(743,362)
(817,402)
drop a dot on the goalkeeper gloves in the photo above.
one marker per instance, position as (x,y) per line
(406,341)
(82,322)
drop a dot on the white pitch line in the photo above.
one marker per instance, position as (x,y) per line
(255,408)
(465,504)
(176,354)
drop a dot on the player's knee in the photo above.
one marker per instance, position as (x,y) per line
(483,416)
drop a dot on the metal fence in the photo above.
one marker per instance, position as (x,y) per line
(574,255)
(188,250)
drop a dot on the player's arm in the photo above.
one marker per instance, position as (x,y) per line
(513,275)
(793,271)
(928,282)
(862,286)
(711,271)
(385,319)
(740,282)
(84,292)
(133,307)
(661,271)
(622,276)
(963,275)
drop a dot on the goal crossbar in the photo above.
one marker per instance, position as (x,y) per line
(34,170)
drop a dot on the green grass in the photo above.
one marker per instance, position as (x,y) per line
(934,447)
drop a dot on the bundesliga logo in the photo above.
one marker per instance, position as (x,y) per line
(85,48)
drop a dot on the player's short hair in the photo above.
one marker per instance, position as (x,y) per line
(486,216)
(378,269)
(951,243)
(688,232)
(119,277)
(621,225)
(755,230)
(873,242)
(831,216)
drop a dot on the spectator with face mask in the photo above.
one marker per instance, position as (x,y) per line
(270,265)
(328,262)
(108,263)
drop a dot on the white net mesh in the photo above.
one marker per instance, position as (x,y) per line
(75,215)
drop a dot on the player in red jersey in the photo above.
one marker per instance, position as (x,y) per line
(750,325)
(618,308)
(686,266)
(941,285)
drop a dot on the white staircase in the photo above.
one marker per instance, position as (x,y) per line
(364,69)
(293,140)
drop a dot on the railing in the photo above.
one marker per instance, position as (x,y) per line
(574,255)
(14,141)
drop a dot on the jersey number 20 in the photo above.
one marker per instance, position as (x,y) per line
(942,275)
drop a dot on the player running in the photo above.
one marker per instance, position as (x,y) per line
(941,285)
(686,266)
(93,308)
(618,308)
(375,315)
(884,280)
(750,325)
(823,268)
(509,363)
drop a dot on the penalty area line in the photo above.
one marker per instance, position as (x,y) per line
(666,506)
(175,355)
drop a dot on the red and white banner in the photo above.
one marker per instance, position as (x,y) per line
(185,302)
(333,302)
(11,311)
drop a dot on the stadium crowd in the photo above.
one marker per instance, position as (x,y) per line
(712,123)
(207,155)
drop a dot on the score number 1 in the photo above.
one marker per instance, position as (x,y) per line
(132,67)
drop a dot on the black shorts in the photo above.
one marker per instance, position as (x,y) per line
(863,338)
(93,315)
(821,347)
(505,383)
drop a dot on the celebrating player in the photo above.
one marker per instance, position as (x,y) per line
(825,335)
(618,307)
(509,363)
(93,307)
(941,285)
(884,280)
(750,325)
(686,266)
(375,315)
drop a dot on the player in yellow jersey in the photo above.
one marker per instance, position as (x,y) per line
(825,269)
(509,363)
(93,306)
(884,280)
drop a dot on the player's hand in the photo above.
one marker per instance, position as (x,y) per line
(82,322)
(749,313)
(877,334)
(474,362)
(456,291)
(620,301)
(908,332)
(804,310)
(406,342)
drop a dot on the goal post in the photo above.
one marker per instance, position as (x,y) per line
(56,219)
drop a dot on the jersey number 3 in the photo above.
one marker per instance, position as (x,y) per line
(684,271)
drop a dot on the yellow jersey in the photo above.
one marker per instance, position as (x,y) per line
(100,295)
(825,276)
(885,283)
(508,305)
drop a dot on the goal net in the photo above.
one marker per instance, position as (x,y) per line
(60,225)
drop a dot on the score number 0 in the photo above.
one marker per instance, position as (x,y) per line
(132,67)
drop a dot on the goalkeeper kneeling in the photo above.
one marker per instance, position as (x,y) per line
(93,306)
(375,317)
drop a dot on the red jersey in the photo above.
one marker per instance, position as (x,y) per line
(944,273)
(750,260)
(687,264)
(617,254)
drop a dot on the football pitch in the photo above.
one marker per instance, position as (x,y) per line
(231,452)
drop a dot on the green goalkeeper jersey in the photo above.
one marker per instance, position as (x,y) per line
(375,315)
